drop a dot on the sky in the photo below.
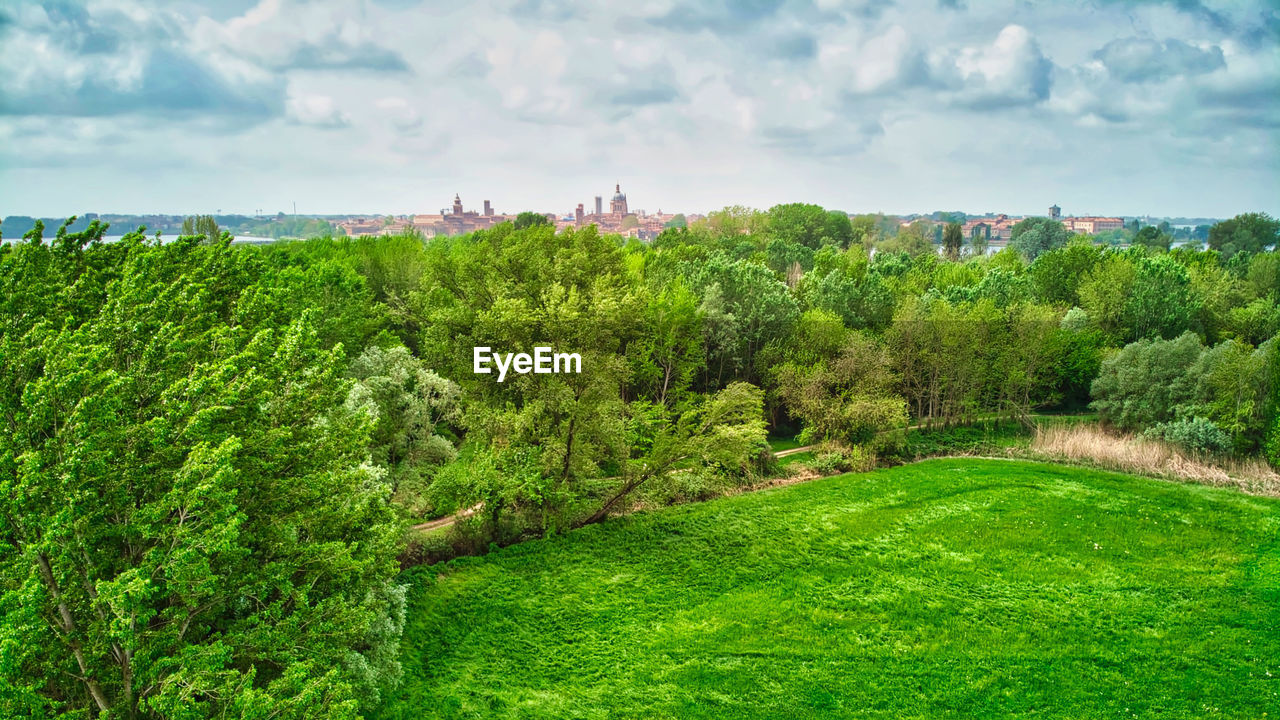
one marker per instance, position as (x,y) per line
(1116,107)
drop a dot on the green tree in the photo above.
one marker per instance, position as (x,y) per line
(1232,388)
(913,240)
(849,398)
(979,242)
(1151,237)
(528,219)
(189,527)
(1146,382)
(514,290)
(1271,406)
(1036,235)
(672,349)
(1249,232)
(1162,301)
(747,308)
(810,225)
(677,221)
(1264,274)
(735,220)
(1104,294)
(410,407)
(953,240)
(1056,275)
(724,431)
(203,225)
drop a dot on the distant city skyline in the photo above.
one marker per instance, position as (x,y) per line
(1106,108)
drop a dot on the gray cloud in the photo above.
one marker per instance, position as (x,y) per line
(335,56)
(471,65)
(831,141)
(718,16)
(555,10)
(1254,24)
(1139,60)
(171,83)
(1010,72)
(654,85)
(108,63)
(794,46)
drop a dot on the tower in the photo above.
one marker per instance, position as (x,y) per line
(457,204)
(599,205)
(1055,212)
(488,209)
(577,214)
(618,206)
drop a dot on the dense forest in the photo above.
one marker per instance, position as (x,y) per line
(213,451)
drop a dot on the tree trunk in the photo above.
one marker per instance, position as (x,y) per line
(68,629)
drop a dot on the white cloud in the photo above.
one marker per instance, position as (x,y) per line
(1010,71)
(317,111)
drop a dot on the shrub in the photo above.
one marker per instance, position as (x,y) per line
(1194,434)
(1075,319)
(831,457)
(827,463)
(1146,382)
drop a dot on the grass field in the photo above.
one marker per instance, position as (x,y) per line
(944,589)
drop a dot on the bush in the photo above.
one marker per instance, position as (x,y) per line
(830,458)
(827,463)
(1075,320)
(1146,382)
(1194,434)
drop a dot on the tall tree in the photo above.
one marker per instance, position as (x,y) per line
(849,398)
(188,528)
(1036,235)
(202,225)
(810,225)
(1152,237)
(952,240)
(1249,232)
(528,219)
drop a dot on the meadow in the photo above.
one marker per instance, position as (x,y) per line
(947,588)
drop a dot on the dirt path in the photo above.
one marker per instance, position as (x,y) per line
(447,520)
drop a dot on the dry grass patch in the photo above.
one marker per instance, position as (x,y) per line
(1131,454)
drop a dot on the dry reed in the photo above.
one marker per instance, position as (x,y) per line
(1140,456)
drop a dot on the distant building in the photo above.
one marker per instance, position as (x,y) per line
(457,220)
(998,228)
(1092,225)
(1055,212)
(619,219)
(618,206)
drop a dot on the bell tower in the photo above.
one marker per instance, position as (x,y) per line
(618,205)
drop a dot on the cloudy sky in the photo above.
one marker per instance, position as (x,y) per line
(1115,107)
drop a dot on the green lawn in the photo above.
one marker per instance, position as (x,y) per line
(944,589)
